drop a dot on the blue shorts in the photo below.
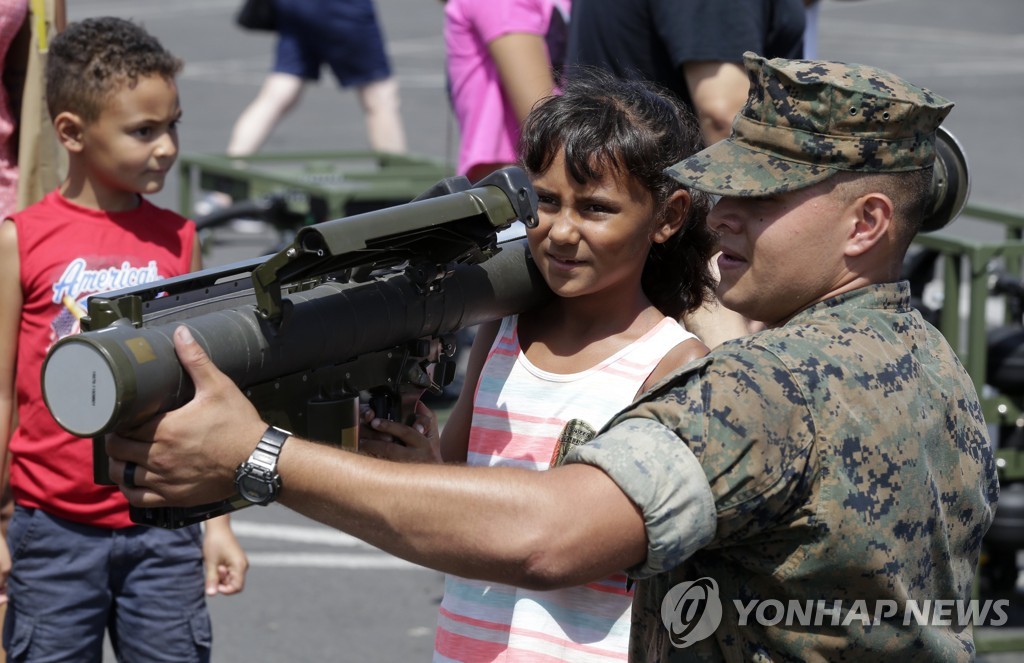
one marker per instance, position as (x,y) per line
(71,582)
(343,34)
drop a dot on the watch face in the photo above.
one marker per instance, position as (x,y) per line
(255,488)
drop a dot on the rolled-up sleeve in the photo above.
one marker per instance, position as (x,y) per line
(661,475)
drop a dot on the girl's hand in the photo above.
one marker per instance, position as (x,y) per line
(419,443)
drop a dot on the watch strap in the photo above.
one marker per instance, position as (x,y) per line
(269,447)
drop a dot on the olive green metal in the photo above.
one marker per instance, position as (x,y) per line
(966,264)
(337,181)
(399,233)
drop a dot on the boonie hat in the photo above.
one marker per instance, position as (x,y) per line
(806,119)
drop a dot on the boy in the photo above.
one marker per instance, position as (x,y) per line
(74,562)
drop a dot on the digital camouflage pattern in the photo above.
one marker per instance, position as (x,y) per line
(848,459)
(806,119)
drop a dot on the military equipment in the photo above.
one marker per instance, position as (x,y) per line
(359,306)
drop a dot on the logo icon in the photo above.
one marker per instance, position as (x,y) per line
(691,611)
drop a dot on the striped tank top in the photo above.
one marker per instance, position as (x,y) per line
(526,417)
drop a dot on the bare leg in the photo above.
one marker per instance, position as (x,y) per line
(279,94)
(384,127)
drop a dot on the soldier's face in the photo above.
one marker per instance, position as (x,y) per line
(780,253)
(592,239)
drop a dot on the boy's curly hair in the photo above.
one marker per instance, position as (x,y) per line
(601,123)
(94,58)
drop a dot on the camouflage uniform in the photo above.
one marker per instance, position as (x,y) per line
(842,456)
(847,458)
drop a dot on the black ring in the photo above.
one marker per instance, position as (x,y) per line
(129,475)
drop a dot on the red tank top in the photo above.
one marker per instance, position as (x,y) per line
(67,253)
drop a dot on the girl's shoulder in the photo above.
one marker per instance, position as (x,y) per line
(680,355)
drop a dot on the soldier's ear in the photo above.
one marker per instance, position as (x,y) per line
(869,217)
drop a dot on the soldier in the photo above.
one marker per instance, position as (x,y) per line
(835,463)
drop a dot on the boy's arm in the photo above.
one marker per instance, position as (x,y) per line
(223,558)
(197,255)
(10,321)
(60,15)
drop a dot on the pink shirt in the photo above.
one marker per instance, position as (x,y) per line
(520,417)
(487,123)
(12,15)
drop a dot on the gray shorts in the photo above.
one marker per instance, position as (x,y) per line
(69,582)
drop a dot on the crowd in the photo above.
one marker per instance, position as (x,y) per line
(728,393)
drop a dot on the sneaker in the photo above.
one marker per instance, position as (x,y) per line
(210,202)
(214,201)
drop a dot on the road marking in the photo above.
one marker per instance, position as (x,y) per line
(297,534)
(861,32)
(330,561)
(366,557)
(252,72)
(156,10)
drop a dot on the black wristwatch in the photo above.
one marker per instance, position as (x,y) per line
(257,479)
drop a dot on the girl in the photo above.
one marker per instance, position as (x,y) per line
(626,252)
